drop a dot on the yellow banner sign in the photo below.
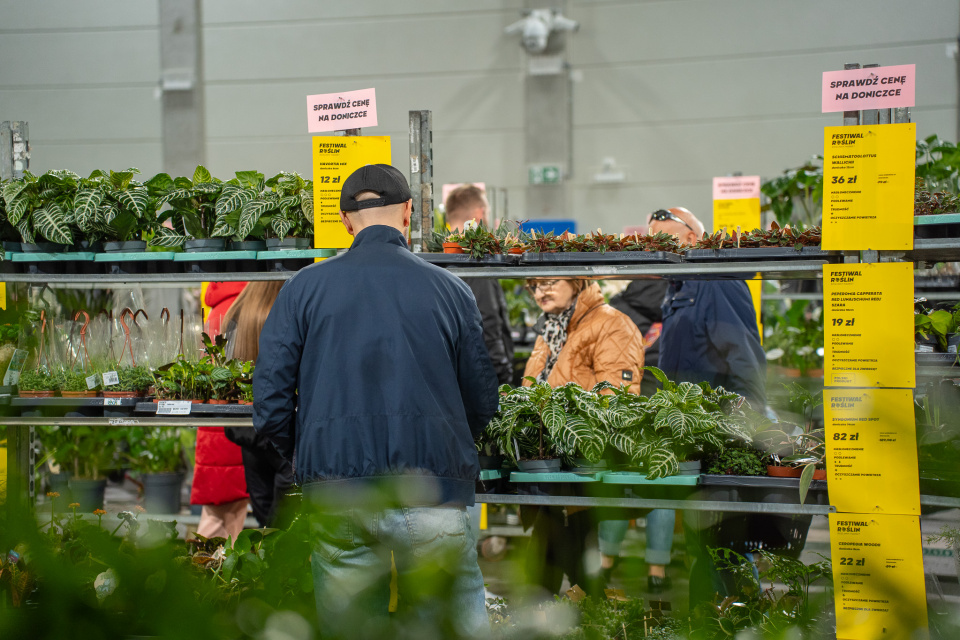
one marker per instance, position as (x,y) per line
(878,576)
(872,450)
(334,159)
(868,185)
(868,325)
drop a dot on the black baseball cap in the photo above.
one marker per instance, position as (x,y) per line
(382,179)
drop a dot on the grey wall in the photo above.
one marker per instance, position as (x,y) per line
(677,91)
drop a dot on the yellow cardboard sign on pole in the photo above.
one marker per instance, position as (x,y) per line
(872,450)
(868,325)
(868,186)
(878,576)
(729,214)
(334,159)
(736,203)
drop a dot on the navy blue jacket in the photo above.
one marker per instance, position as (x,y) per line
(710,334)
(372,367)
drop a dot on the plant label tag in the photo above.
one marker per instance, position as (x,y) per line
(12,375)
(111,402)
(91,381)
(173,407)
(110,378)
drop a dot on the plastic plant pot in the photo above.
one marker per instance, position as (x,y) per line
(161,492)
(953,340)
(452,247)
(288,244)
(89,493)
(551,465)
(43,247)
(247,245)
(127,246)
(12,247)
(121,394)
(690,468)
(37,394)
(198,245)
(491,462)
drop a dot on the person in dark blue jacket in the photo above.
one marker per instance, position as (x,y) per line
(373,377)
(710,331)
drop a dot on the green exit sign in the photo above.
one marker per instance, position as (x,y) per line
(545,174)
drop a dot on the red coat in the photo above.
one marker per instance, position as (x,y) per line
(218,477)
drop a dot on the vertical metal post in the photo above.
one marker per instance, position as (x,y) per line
(870,116)
(851,118)
(21,459)
(14,149)
(347,132)
(901,114)
(421,178)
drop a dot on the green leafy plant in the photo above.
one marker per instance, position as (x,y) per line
(802,185)
(738,461)
(111,205)
(86,452)
(75,380)
(926,203)
(42,207)
(794,338)
(137,379)
(276,208)
(38,381)
(192,212)
(539,422)
(938,164)
(155,449)
(679,422)
(798,447)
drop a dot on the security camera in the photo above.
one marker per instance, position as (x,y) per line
(537,25)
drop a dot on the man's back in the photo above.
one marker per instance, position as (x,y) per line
(394,377)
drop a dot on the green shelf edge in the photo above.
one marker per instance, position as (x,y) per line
(940,218)
(296,254)
(137,256)
(73,256)
(635,478)
(560,476)
(206,256)
(490,474)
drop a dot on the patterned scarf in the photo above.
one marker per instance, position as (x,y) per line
(555,335)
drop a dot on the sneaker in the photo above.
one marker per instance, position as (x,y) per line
(656,584)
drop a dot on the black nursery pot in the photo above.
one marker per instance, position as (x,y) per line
(288,244)
(927,345)
(43,247)
(85,245)
(12,247)
(953,342)
(539,466)
(198,245)
(491,462)
(248,245)
(127,246)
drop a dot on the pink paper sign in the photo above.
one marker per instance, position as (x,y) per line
(871,88)
(736,187)
(339,111)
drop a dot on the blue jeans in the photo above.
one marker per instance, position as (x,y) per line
(659,536)
(439,583)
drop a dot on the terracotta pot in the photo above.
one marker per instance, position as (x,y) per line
(218,402)
(37,394)
(515,250)
(794,472)
(452,247)
(814,373)
(120,394)
(245,402)
(78,394)
(194,401)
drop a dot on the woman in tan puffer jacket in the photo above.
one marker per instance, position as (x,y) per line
(583,340)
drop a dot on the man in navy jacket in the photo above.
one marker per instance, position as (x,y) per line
(373,377)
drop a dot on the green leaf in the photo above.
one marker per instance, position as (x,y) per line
(166,237)
(17,209)
(26,230)
(689,394)
(221,229)
(553,416)
(232,198)
(175,194)
(578,435)
(281,226)
(250,214)
(251,179)
(662,377)
(51,223)
(806,477)
(306,205)
(86,204)
(159,183)
(662,463)
(136,200)
(680,423)
(201,175)
(11,190)
(120,179)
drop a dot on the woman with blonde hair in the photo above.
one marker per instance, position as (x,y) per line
(582,340)
(268,474)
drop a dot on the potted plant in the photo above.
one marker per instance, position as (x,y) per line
(157,455)
(182,380)
(133,383)
(679,423)
(291,219)
(73,384)
(195,224)
(87,453)
(245,383)
(42,208)
(112,206)
(737,460)
(793,340)
(39,383)
(537,425)
(245,211)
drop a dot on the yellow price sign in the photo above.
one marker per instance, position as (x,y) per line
(868,325)
(730,214)
(334,159)
(868,186)
(878,576)
(872,450)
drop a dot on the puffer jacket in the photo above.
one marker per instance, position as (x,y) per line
(602,344)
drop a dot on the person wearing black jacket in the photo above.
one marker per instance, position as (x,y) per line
(464,204)
(642,301)
(373,377)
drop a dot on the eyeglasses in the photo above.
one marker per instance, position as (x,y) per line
(662,214)
(543,285)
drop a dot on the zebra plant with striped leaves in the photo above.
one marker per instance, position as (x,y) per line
(111,205)
(539,422)
(42,206)
(278,207)
(679,422)
(193,208)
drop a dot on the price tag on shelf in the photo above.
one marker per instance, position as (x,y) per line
(174,407)
(878,582)
(111,402)
(868,325)
(868,186)
(334,159)
(91,381)
(110,378)
(872,450)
